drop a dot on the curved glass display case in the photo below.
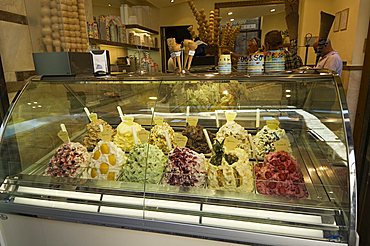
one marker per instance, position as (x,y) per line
(265,159)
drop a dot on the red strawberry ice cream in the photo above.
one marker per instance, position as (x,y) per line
(279,175)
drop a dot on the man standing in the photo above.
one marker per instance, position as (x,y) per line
(330,58)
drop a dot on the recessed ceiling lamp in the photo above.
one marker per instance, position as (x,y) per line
(230,13)
(172,1)
(232,19)
(272,10)
(110,5)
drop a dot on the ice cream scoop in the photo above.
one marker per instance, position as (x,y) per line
(145,163)
(106,161)
(70,160)
(125,134)
(186,168)
(92,132)
(280,175)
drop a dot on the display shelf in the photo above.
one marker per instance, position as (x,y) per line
(117,44)
(140,28)
(315,128)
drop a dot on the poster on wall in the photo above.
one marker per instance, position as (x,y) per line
(344,19)
(337,22)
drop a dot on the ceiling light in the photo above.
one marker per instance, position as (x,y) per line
(288,95)
(153,98)
(230,13)
(110,5)
(172,1)
(287,90)
(232,19)
(272,10)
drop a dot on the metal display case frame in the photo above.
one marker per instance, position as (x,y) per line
(76,202)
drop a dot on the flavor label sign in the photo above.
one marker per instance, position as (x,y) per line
(180,140)
(282,145)
(273,124)
(192,120)
(63,135)
(158,120)
(143,135)
(230,116)
(231,143)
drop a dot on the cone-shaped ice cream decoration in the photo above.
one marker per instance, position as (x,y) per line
(190,47)
(292,20)
(325,26)
(177,49)
(171,42)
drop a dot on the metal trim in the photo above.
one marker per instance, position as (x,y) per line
(179,229)
(351,163)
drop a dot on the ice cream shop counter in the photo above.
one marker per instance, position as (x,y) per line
(202,159)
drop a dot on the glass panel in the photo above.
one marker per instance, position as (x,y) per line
(260,154)
(34,156)
(291,160)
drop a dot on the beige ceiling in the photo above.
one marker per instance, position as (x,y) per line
(250,12)
(156,3)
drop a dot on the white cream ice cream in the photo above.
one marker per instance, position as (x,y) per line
(233,129)
(145,162)
(106,161)
(231,171)
(70,160)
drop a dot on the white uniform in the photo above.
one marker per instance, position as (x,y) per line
(331,61)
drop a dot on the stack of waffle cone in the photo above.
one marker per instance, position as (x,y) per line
(208,30)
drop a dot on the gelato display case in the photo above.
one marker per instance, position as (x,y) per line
(264,159)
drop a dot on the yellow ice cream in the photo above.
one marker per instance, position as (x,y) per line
(124,138)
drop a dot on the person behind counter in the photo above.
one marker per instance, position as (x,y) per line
(330,58)
(274,41)
(252,45)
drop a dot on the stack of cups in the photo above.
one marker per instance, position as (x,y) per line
(242,64)
(274,61)
(256,63)
(224,64)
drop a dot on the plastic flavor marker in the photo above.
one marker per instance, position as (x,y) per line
(208,139)
(63,127)
(87,113)
(168,140)
(120,113)
(254,149)
(134,133)
(64,134)
(258,118)
(217,120)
